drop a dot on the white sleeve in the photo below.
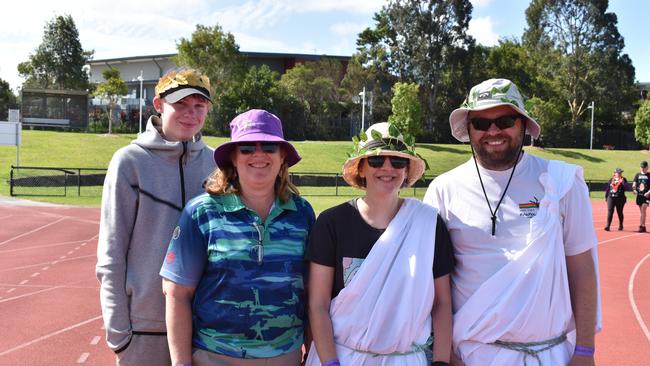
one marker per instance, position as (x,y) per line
(578,225)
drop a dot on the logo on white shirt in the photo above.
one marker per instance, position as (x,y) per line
(529,209)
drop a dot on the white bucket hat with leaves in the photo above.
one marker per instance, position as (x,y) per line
(383,139)
(486,95)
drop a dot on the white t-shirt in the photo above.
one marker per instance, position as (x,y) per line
(459,197)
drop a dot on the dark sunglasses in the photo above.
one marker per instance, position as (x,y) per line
(503,122)
(396,162)
(246,148)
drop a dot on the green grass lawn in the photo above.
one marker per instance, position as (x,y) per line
(82,150)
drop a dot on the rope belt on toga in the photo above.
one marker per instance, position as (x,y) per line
(531,349)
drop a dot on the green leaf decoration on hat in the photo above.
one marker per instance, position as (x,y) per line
(504,89)
(392,142)
(376,135)
(393,131)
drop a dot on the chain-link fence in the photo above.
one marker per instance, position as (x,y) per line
(42,181)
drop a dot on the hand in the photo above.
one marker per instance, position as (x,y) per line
(582,361)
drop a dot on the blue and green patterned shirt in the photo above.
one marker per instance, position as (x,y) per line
(249,300)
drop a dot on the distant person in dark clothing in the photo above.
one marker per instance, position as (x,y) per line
(641,187)
(615,197)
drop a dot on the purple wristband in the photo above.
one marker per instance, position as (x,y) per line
(334,362)
(184,364)
(584,351)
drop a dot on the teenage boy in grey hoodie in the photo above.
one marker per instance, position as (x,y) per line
(147,185)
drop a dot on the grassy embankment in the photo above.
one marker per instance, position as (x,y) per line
(79,150)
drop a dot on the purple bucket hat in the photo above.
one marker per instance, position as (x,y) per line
(255,125)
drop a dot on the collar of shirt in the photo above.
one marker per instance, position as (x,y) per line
(233,203)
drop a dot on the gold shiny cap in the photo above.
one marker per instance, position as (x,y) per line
(180,83)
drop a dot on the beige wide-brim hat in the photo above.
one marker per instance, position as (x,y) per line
(383,139)
(486,95)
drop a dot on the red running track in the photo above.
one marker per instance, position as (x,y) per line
(50,313)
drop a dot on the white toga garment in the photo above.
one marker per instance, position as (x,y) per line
(386,307)
(513,286)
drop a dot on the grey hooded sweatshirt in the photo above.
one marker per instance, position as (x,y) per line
(147,184)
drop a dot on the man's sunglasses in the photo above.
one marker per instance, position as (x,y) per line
(396,162)
(246,148)
(503,122)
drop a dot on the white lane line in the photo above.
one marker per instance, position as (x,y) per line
(35,274)
(84,244)
(95,340)
(40,247)
(70,252)
(77,248)
(11,290)
(32,231)
(54,262)
(36,340)
(24,282)
(63,257)
(45,268)
(83,357)
(29,294)
(630,295)
(618,238)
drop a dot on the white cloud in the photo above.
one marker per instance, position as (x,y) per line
(482,30)
(347,29)
(122,28)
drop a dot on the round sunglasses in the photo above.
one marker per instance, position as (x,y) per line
(503,122)
(396,162)
(246,148)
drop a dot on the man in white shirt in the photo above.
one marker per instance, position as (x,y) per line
(525,284)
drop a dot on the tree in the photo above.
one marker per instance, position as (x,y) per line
(577,49)
(378,94)
(58,62)
(315,85)
(642,122)
(423,42)
(407,111)
(112,89)
(216,53)
(7,100)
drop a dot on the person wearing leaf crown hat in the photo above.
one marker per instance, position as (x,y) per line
(525,286)
(380,264)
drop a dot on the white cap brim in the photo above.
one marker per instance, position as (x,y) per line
(182,93)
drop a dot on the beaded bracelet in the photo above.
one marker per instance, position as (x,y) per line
(584,351)
(333,362)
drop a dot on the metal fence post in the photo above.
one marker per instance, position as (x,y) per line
(11,181)
(78,182)
(336,183)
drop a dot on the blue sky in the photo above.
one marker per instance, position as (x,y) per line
(122,28)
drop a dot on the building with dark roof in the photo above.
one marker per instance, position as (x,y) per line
(152,67)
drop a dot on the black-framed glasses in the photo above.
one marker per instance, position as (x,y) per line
(503,122)
(396,162)
(246,148)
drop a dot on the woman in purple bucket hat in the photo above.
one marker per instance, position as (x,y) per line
(233,274)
